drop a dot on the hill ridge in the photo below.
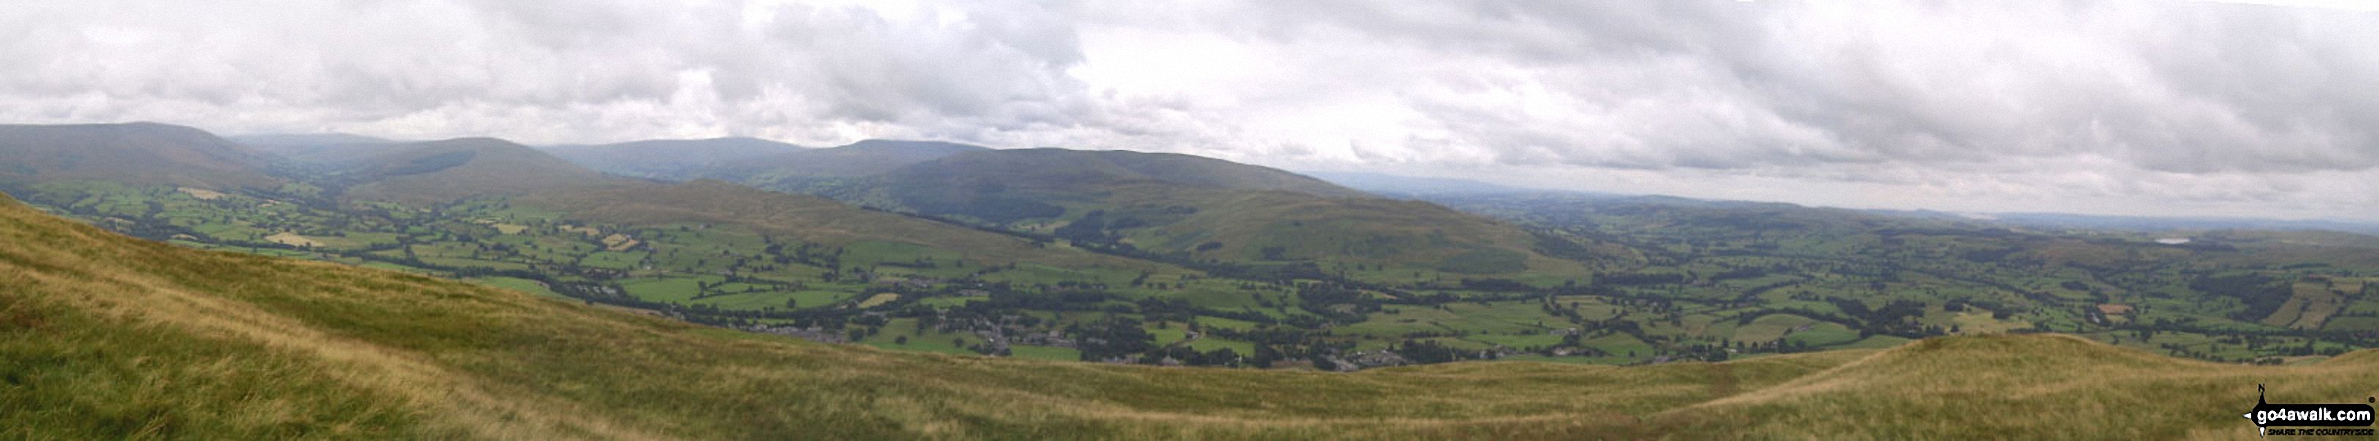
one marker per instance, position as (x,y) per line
(447,170)
(139,152)
(1126,165)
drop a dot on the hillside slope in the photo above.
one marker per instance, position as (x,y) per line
(443,171)
(1062,170)
(809,217)
(752,160)
(134,153)
(1210,209)
(861,158)
(103,336)
(1176,207)
(674,159)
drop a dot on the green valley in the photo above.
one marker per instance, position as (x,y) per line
(1556,278)
(106,336)
(1210,220)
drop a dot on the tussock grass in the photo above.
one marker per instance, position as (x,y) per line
(103,336)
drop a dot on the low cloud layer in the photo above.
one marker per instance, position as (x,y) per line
(2125,107)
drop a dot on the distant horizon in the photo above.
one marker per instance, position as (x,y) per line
(2365,222)
(2373,222)
(2166,108)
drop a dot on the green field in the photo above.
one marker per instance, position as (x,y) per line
(335,352)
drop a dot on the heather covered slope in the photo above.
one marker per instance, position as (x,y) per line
(103,336)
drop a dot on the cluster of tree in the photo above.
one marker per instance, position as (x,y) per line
(1191,356)
(1115,337)
(1430,351)
(2262,294)
(1638,279)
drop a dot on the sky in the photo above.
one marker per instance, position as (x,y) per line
(2264,109)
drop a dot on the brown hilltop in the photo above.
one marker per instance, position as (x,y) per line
(133,153)
(443,171)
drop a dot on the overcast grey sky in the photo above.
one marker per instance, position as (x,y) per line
(2162,107)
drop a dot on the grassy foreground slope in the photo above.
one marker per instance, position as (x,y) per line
(104,336)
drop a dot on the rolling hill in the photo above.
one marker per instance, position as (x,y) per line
(753,160)
(133,153)
(675,159)
(104,336)
(862,158)
(1168,206)
(807,217)
(1073,171)
(444,171)
(1395,185)
(1208,209)
(302,149)
(303,140)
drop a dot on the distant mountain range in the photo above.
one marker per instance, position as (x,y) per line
(446,171)
(1396,185)
(287,140)
(1159,206)
(138,153)
(1144,202)
(1437,188)
(751,159)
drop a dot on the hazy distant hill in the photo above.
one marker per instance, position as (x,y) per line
(676,159)
(753,161)
(135,153)
(1182,205)
(441,171)
(1386,184)
(1002,186)
(285,140)
(2060,220)
(953,179)
(304,148)
(1200,207)
(807,217)
(857,159)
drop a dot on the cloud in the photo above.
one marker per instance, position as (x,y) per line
(577,71)
(2166,85)
(2057,105)
(2197,107)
